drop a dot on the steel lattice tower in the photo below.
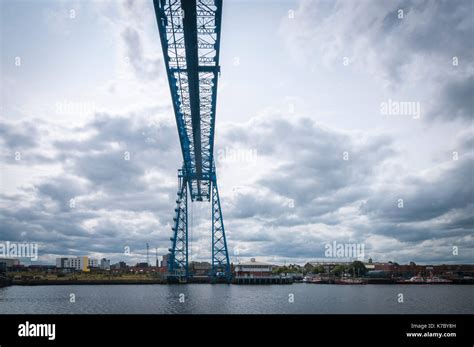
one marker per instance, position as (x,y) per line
(190,37)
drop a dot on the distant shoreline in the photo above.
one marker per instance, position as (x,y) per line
(82,282)
(156,281)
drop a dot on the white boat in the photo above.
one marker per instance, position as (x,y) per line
(437,280)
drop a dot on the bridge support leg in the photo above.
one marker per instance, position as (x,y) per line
(178,268)
(220,255)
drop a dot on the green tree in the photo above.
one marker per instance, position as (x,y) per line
(339,269)
(358,268)
(281,270)
(318,269)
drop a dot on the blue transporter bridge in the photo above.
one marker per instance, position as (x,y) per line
(190,33)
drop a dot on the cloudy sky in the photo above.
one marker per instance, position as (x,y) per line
(310,145)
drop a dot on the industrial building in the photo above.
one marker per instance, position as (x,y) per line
(77,263)
(253,268)
(10,262)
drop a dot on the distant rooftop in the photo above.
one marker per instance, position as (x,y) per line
(253,261)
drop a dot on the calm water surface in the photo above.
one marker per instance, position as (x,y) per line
(221,298)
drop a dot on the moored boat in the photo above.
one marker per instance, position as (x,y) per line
(422,280)
(438,280)
(350,281)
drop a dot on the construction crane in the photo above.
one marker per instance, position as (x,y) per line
(190,34)
(147,254)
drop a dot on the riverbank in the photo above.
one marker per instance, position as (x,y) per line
(83,282)
(239,281)
(391,281)
(4,282)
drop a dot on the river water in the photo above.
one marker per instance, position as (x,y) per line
(298,298)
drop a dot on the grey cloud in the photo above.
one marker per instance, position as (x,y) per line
(116,206)
(24,137)
(145,68)
(420,47)
(311,172)
(62,190)
(101,158)
(457,99)
(436,206)
(249,205)
(21,135)
(425,199)
(111,195)
(109,170)
(140,17)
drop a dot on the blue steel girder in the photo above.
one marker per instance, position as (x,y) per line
(178,261)
(190,38)
(220,255)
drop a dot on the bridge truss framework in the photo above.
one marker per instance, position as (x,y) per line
(190,38)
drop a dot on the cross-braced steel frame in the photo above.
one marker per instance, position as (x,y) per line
(190,38)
